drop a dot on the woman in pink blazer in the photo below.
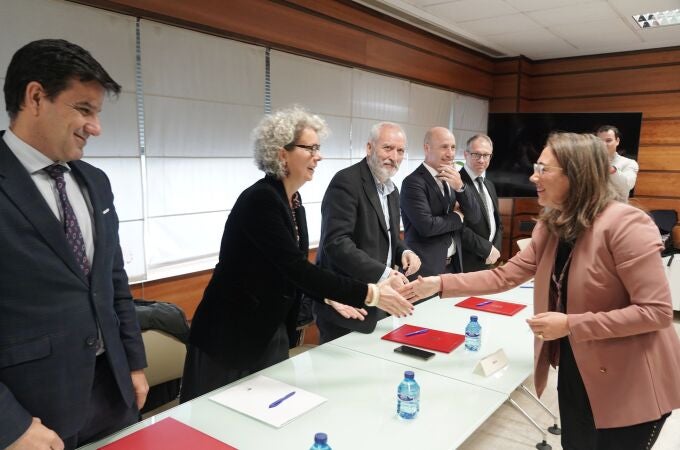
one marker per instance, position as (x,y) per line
(602,303)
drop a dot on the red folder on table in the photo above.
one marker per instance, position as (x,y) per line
(441,341)
(167,434)
(492,306)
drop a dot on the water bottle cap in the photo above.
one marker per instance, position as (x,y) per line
(473,318)
(408,374)
(320,438)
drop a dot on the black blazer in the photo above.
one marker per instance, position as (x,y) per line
(354,240)
(429,223)
(49,310)
(475,239)
(261,274)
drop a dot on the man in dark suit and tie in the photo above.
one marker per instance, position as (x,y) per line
(360,230)
(432,223)
(71,353)
(482,239)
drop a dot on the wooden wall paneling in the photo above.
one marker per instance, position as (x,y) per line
(651,203)
(505,86)
(505,206)
(418,65)
(659,157)
(669,56)
(624,81)
(351,13)
(651,105)
(658,184)
(660,131)
(185,291)
(506,66)
(501,105)
(527,205)
(299,27)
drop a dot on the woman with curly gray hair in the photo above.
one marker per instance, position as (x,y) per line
(248,313)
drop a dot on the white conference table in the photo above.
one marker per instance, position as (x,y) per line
(510,333)
(360,412)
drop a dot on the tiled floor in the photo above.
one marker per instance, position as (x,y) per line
(507,429)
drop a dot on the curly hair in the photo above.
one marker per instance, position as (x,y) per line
(278,129)
(585,162)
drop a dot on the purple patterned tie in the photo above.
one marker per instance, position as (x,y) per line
(73,234)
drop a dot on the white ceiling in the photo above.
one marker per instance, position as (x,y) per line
(538,29)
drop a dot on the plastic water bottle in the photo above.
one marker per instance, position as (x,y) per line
(473,335)
(408,397)
(320,442)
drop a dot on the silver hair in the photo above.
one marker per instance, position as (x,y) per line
(278,129)
(478,137)
(374,134)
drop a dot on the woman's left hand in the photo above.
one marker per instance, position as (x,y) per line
(549,325)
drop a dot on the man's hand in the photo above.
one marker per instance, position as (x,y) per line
(141,387)
(37,437)
(451,176)
(346,311)
(410,262)
(493,255)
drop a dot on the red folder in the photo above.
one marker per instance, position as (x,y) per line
(167,434)
(492,306)
(441,341)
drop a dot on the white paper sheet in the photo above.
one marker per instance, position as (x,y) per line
(252,397)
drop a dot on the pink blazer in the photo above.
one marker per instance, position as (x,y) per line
(619,311)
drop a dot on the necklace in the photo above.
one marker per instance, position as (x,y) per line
(559,304)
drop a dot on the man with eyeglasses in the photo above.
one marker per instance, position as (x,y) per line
(622,171)
(360,230)
(433,225)
(482,239)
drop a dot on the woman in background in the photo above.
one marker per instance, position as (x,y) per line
(249,308)
(601,299)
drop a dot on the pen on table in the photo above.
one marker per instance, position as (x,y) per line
(413,333)
(279,401)
(488,302)
(527,286)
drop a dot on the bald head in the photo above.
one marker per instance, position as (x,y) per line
(439,146)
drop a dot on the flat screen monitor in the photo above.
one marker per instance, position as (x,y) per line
(519,138)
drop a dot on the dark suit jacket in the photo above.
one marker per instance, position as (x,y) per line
(428,227)
(49,310)
(475,239)
(261,274)
(354,240)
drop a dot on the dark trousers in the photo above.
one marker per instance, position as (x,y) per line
(578,425)
(204,372)
(107,411)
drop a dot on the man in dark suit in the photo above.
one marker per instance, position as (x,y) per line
(360,230)
(71,353)
(432,222)
(482,239)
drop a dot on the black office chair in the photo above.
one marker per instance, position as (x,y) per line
(665,220)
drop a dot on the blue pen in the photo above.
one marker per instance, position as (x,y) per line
(488,302)
(527,286)
(413,333)
(279,401)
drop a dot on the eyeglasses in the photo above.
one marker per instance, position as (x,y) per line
(539,168)
(478,156)
(312,149)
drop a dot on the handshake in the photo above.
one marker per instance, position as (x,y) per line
(397,296)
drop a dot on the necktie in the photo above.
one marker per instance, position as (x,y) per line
(480,183)
(447,195)
(74,236)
